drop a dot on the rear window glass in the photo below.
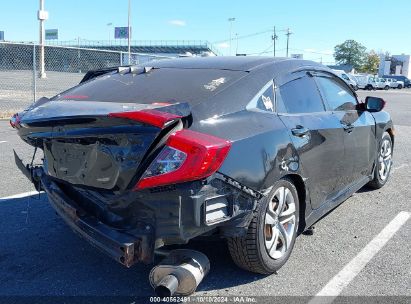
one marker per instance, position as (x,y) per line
(158,85)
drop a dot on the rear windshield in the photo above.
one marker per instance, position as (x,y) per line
(158,85)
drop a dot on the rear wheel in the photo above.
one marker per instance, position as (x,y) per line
(271,235)
(400,86)
(386,88)
(383,164)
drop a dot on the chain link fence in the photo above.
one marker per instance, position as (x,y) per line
(20,83)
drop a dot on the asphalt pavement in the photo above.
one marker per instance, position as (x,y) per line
(40,255)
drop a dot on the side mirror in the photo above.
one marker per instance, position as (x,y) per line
(374,104)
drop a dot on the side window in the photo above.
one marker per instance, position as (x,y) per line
(338,97)
(264,100)
(301,96)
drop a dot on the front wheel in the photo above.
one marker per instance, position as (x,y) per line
(386,88)
(383,164)
(272,232)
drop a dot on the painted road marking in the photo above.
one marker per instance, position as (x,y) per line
(400,167)
(335,286)
(2,141)
(20,195)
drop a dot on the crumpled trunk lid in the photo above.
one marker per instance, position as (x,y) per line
(84,145)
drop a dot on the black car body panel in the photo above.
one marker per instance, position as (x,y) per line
(94,159)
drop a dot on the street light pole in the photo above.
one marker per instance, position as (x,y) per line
(42,15)
(231,20)
(109,30)
(129,31)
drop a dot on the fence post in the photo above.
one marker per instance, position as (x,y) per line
(34,74)
(121,58)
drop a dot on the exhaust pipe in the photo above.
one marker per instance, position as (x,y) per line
(179,273)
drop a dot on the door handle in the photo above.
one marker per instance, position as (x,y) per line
(300,131)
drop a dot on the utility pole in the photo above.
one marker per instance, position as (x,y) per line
(288,39)
(129,32)
(274,37)
(236,48)
(231,20)
(42,15)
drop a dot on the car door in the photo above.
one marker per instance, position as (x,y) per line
(359,137)
(315,133)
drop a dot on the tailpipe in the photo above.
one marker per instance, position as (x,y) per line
(179,273)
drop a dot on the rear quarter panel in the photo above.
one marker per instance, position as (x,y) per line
(261,150)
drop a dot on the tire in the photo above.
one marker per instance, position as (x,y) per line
(400,86)
(250,252)
(386,88)
(383,163)
(369,87)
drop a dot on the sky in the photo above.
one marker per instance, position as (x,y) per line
(316,25)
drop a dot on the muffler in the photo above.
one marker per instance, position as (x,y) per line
(179,273)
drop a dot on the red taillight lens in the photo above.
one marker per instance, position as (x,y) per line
(187,156)
(15,120)
(151,117)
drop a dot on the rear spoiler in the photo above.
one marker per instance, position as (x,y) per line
(121,69)
(95,73)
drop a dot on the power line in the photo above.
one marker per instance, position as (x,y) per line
(245,36)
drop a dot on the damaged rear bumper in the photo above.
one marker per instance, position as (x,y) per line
(126,248)
(148,219)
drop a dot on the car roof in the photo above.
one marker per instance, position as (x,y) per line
(234,63)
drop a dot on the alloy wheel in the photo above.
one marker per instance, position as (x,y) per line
(385,159)
(279,223)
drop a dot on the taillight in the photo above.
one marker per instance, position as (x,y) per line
(151,117)
(187,156)
(15,120)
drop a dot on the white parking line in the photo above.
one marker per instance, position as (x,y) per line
(400,167)
(2,141)
(20,195)
(335,286)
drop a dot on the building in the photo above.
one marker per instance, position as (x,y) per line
(395,65)
(160,48)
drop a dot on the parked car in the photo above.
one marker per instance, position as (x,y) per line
(365,82)
(382,83)
(251,149)
(407,82)
(347,78)
(394,83)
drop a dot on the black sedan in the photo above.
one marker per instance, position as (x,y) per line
(250,149)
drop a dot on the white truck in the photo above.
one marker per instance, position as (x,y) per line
(365,82)
(382,84)
(395,84)
(349,80)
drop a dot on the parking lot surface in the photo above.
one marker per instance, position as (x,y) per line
(40,255)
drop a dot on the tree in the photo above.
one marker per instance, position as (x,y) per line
(371,63)
(350,52)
